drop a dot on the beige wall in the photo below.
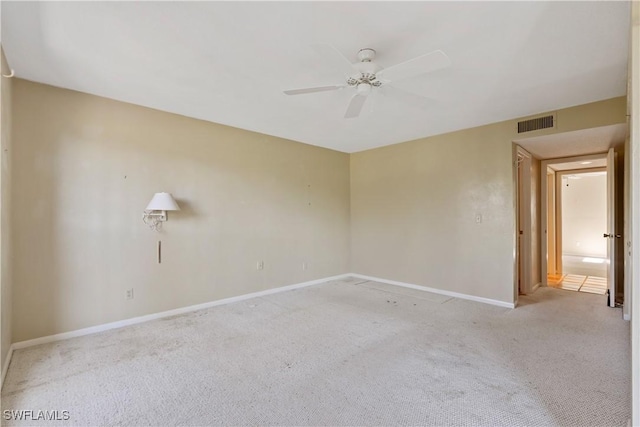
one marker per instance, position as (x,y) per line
(5,211)
(84,169)
(413,205)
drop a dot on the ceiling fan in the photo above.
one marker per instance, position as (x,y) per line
(365,76)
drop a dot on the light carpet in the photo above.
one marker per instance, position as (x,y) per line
(343,353)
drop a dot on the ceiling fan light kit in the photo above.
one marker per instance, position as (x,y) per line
(365,75)
(364,88)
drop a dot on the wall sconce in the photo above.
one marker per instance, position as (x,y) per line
(156,212)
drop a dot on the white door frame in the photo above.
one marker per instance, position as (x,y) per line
(612,277)
(543,202)
(633,108)
(522,160)
(551,213)
(626,228)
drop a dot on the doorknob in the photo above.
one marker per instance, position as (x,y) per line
(606,235)
(617,236)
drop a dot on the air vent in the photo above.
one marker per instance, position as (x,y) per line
(535,124)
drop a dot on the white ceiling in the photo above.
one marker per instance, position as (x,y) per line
(589,164)
(228,62)
(577,143)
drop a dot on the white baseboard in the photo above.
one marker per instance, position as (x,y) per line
(535,287)
(437,291)
(154,316)
(5,367)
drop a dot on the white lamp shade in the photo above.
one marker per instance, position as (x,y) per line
(163,202)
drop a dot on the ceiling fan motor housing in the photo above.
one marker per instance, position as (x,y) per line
(368,70)
(367,67)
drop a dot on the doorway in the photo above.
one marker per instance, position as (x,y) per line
(578,252)
(576,146)
(579,201)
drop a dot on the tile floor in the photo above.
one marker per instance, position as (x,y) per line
(579,283)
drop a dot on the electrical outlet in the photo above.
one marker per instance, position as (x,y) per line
(129,293)
(260,265)
(478,218)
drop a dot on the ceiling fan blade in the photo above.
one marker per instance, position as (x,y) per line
(355,106)
(433,61)
(407,98)
(313,89)
(333,58)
